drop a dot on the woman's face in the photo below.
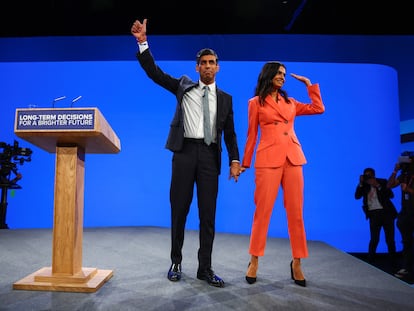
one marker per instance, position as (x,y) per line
(279,79)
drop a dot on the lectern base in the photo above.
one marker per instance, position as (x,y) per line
(89,281)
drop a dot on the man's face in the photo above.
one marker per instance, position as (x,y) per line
(207,68)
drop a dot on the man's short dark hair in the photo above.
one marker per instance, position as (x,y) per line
(369,170)
(206,51)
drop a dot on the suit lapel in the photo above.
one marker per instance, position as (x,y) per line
(282,108)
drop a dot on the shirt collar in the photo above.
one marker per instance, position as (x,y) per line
(211,86)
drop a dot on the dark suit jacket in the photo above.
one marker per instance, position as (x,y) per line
(224,121)
(384,196)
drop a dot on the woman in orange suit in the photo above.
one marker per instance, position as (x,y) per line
(279,160)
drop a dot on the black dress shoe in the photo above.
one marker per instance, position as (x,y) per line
(250,279)
(297,282)
(174,274)
(211,278)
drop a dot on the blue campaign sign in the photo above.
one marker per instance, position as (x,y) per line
(55,119)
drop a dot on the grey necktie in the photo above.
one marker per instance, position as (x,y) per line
(206,113)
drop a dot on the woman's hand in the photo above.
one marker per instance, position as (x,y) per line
(302,79)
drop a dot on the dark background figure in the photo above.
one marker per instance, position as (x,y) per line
(195,161)
(405,218)
(379,210)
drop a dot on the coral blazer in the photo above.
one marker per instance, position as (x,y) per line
(278,140)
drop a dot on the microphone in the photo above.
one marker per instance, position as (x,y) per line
(56,100)
(75,100)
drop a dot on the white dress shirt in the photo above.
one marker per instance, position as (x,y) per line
(193,107)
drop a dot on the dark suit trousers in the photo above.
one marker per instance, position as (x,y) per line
(195,165)
(405,223)
(380,219)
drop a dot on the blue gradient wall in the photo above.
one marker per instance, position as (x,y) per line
(359,128)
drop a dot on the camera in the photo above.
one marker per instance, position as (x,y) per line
(406,162)
(14,153)
(10,156)
(366,178)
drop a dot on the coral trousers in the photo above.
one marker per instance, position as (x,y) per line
(268,181)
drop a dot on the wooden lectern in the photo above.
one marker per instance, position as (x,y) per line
(70,133)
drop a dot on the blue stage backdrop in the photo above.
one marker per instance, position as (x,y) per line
(132,188)
(360,128)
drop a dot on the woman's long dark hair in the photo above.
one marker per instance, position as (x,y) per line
(264,84)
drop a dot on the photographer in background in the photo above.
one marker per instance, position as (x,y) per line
(379,209)
(405,219)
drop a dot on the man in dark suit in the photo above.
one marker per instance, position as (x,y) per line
(195,161)
(379,209)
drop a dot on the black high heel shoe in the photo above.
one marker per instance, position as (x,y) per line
(298,282)
(250,279)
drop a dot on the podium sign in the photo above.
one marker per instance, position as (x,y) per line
(70,133)
(85,127)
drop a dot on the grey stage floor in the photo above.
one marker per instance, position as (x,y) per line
(139,258)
